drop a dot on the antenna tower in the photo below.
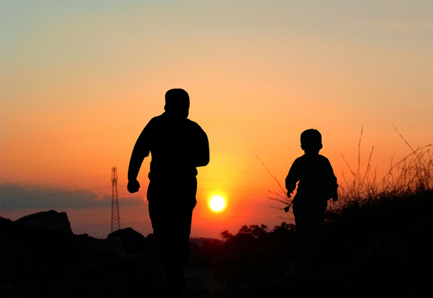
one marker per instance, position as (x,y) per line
(115,216)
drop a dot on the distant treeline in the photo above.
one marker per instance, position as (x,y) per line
(256,233)
(250,240)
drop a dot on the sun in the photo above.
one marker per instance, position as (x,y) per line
(217,203)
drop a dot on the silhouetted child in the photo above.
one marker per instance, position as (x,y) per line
(317,184)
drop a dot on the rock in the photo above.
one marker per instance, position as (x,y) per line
(41,257)
(133,242)
(8,291)
(101,249)
(130,276)
(84,239)
(201,280)
(7,228)
(153,249)
(51,220)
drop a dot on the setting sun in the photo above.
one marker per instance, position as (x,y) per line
(217,203)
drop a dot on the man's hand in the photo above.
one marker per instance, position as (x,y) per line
(133,186)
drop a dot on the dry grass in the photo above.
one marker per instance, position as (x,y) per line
(279,195)
(413,174)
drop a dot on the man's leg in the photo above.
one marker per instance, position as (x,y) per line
(170,210)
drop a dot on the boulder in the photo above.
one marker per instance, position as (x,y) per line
(41,257)
(100,249)
(133,242)
(8,291)
(201,281)
(50,220)
(134,275)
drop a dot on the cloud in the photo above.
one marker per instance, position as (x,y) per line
(17,197)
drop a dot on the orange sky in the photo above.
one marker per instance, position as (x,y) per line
(80,81)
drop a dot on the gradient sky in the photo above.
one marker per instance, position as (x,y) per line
(80,79)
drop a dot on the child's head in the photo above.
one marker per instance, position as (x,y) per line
(311,140)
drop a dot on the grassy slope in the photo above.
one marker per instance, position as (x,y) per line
(372,249)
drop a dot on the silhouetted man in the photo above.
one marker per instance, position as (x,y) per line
(178,145)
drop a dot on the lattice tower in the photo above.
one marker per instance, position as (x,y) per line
(115,216)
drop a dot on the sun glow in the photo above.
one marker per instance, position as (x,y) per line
(217,203)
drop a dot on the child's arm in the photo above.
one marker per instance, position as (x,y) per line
(333,183)
(335,197)
(292,178)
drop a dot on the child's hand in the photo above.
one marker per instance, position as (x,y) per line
(335,197)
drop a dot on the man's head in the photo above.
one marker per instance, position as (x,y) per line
(177,102)
(311,140)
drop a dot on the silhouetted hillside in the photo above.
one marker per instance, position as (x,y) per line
(370,249)
(41,257)
(378,248)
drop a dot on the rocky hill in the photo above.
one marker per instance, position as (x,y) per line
(41,257)
(377,250)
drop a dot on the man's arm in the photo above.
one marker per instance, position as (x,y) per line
(203,155)
(140,151)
